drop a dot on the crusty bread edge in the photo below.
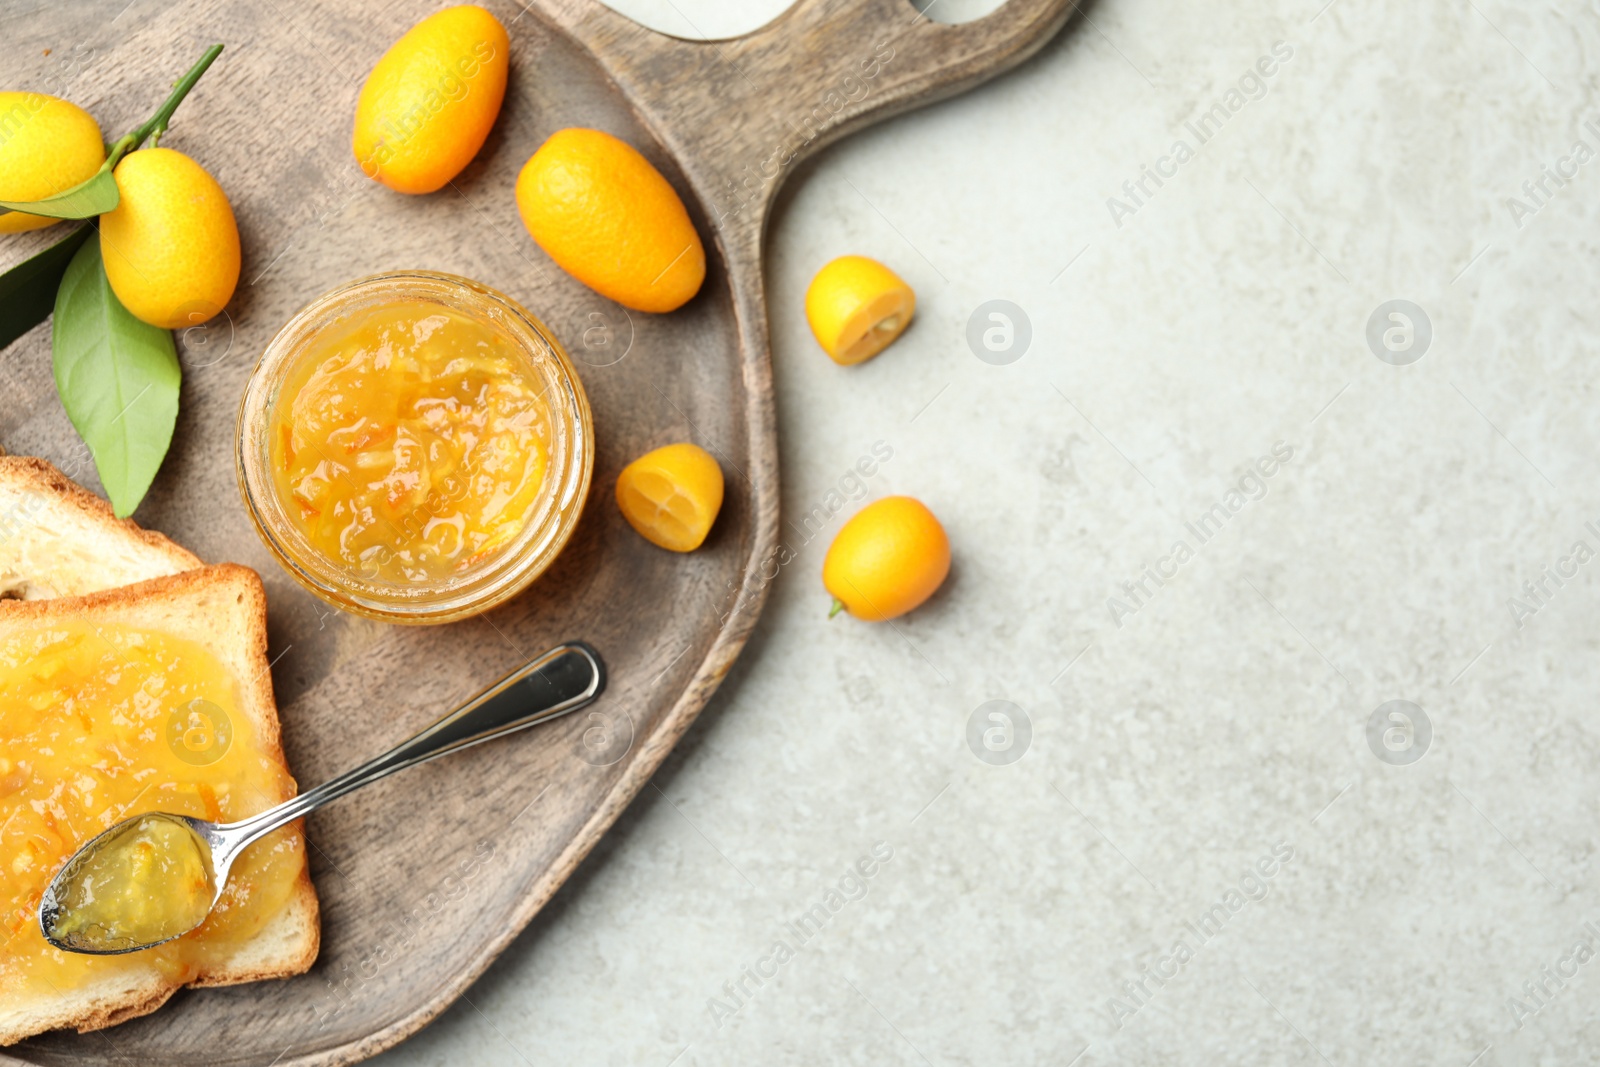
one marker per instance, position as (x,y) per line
(113,1000)
(302,907)
(34,473)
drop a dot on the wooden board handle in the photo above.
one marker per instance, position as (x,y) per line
(739,113)
(903,57)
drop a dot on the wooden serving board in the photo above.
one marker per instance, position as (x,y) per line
(502,825)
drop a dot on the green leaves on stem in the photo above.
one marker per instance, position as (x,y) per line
(99,194)
(28,290)
(118,378)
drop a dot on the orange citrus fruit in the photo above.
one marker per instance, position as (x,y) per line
(886,560)
(171,247)
(857,307)
(671,496)
(46,147)
(428,105)
(608,218)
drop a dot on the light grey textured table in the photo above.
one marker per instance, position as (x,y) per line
(1211,850)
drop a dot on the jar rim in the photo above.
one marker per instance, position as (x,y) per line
(556,508)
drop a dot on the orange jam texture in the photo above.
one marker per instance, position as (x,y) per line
(102,722)
(149,881)
(410,442)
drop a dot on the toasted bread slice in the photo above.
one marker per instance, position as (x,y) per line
(222,608)
(59,539)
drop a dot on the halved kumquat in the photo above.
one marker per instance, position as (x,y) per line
(857,307)
(672,496)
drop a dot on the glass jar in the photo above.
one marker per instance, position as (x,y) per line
(477,584)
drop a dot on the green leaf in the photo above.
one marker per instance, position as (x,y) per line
(85,200)
(28,290)
(118,378)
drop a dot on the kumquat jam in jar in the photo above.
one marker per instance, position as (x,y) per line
(415,447)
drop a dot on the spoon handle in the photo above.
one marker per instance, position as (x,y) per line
(562,680)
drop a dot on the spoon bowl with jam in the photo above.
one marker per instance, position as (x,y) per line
(156,876)
(101,903)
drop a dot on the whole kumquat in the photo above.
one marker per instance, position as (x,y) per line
(47,146)
(608,218)
(889,558)
(429,104)
(172,246)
